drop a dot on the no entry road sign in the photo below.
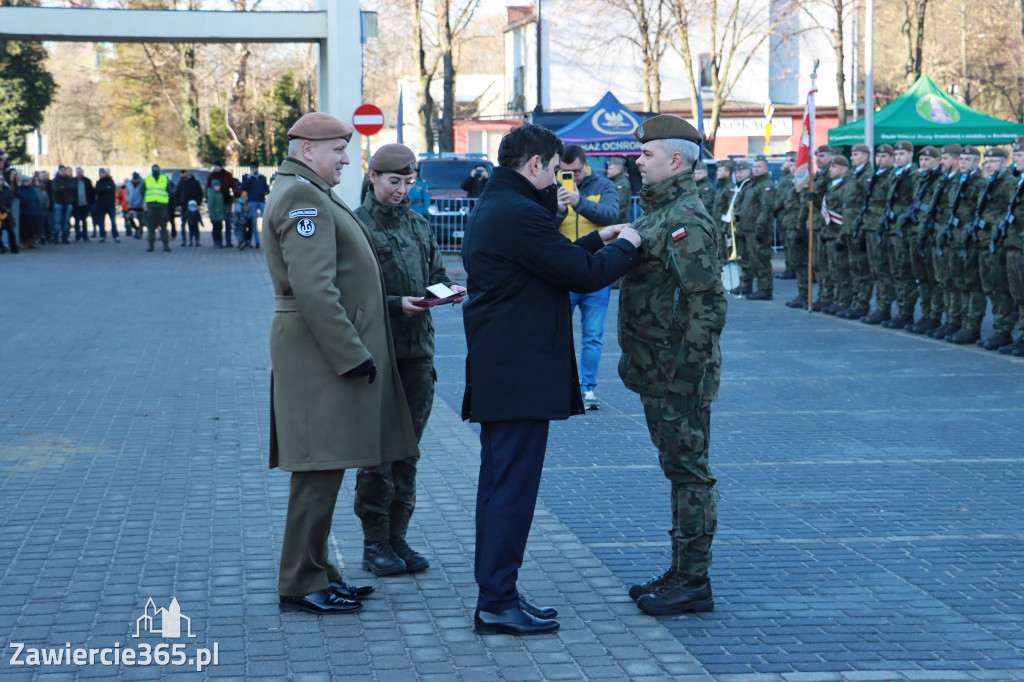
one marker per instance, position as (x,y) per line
(368,119)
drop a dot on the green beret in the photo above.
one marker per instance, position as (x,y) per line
(615,161)
(666,127)
(742,165)
(862,148)
(840,160)
(904,146)
(727,164)
(701,166)
(884,149)
(393,158)
(929,151)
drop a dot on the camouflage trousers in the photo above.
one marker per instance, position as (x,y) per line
(897,252)
(968,282)
(682,438)
(757,263)
(819,263)
(952,269)
(840,289)
(386,494)
(992,271)
(860,272)
(1015,277)
(923,268)
(878,261)
(796,261)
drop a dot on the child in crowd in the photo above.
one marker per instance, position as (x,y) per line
(243,223)
(193,219)
(215,205)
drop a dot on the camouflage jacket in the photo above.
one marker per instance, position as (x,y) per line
(753,208)
(863,177)
(1014,238)
(821,183)
(901,195)
(969,188)
(410,261)
(913,219)
(786,209)
(672,304)
(945,186)
(842,197)
(723,195)
(706,192)
(881,182)
(625,193)
(1003,187)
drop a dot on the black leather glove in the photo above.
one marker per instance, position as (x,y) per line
(840,246)
(367,369)
(759,236)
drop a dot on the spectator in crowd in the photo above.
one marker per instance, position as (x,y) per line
(158,201)
(106,205)
(46,185)
(6,216)
(85,194)
(255,188)
(5,162)
(419,197)
(135,197)
(64,190)
(192,219)
(42,229)
(188,190)
(29,212)
(228,190)
(215,206)
(475,183)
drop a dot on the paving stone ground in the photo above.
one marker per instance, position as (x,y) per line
(870,522)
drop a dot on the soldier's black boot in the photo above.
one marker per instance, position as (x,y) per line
(997,341)
(786,274)
(965,337)
(876,317)
(651,586)
(818,306)
(1009,348)
(682,594)
(951,332)
(380,559)
(939,332)
(414,561)
(898,322)
(760,295)
(926,324)
(797,302)
(854,313)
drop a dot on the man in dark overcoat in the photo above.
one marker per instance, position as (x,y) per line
(336,397)
(521,368)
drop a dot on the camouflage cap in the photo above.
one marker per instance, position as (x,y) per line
(929,151)
(1018,144)
(742,165)
(996,152)
(666,127)
(727,164)
(824,149)
(393,158)
(615,161)
(952,149)
(883,149)
(861,148)
(701,166)
(904,146)
(970,150)
(317,125)
(840,160)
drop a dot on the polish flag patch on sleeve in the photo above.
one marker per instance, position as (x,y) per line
(679,234)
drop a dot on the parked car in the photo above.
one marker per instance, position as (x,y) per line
(449,205)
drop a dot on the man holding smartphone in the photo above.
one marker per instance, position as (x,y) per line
(475,183)
(586,203)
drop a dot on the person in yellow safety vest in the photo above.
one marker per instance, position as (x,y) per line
(158,199)
(593,204)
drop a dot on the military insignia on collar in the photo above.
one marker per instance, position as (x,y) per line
(302,213)
(299,178)
(306,227)
(679,234)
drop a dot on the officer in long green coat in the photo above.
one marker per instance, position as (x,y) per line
(336,397)
(616,172)
(411,261)
(672,309)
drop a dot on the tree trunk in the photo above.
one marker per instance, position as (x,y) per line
(838,46)
(425,112)
(922,7)
(236,114)
(908,44)
(192,133)
(446,129)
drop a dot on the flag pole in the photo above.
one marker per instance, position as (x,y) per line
(810,203)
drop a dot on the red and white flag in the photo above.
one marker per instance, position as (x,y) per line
(829,215)
(803,154)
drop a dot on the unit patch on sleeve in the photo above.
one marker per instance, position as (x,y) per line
(302,212)
(306,227)
(679,234)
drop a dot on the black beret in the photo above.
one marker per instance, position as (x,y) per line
(393,158)
(666,127)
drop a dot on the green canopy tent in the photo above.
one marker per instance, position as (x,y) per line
(924,115)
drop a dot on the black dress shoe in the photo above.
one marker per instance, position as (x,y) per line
(537,611)
(414,561)
(513,621)
(380,559)
(324,601)
(353,592)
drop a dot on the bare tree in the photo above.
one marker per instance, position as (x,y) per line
(838,12)
(913,37)
(652,36)
(736,31)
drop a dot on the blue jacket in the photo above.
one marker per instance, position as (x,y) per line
(29,200)
(255,187)
(520,270)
